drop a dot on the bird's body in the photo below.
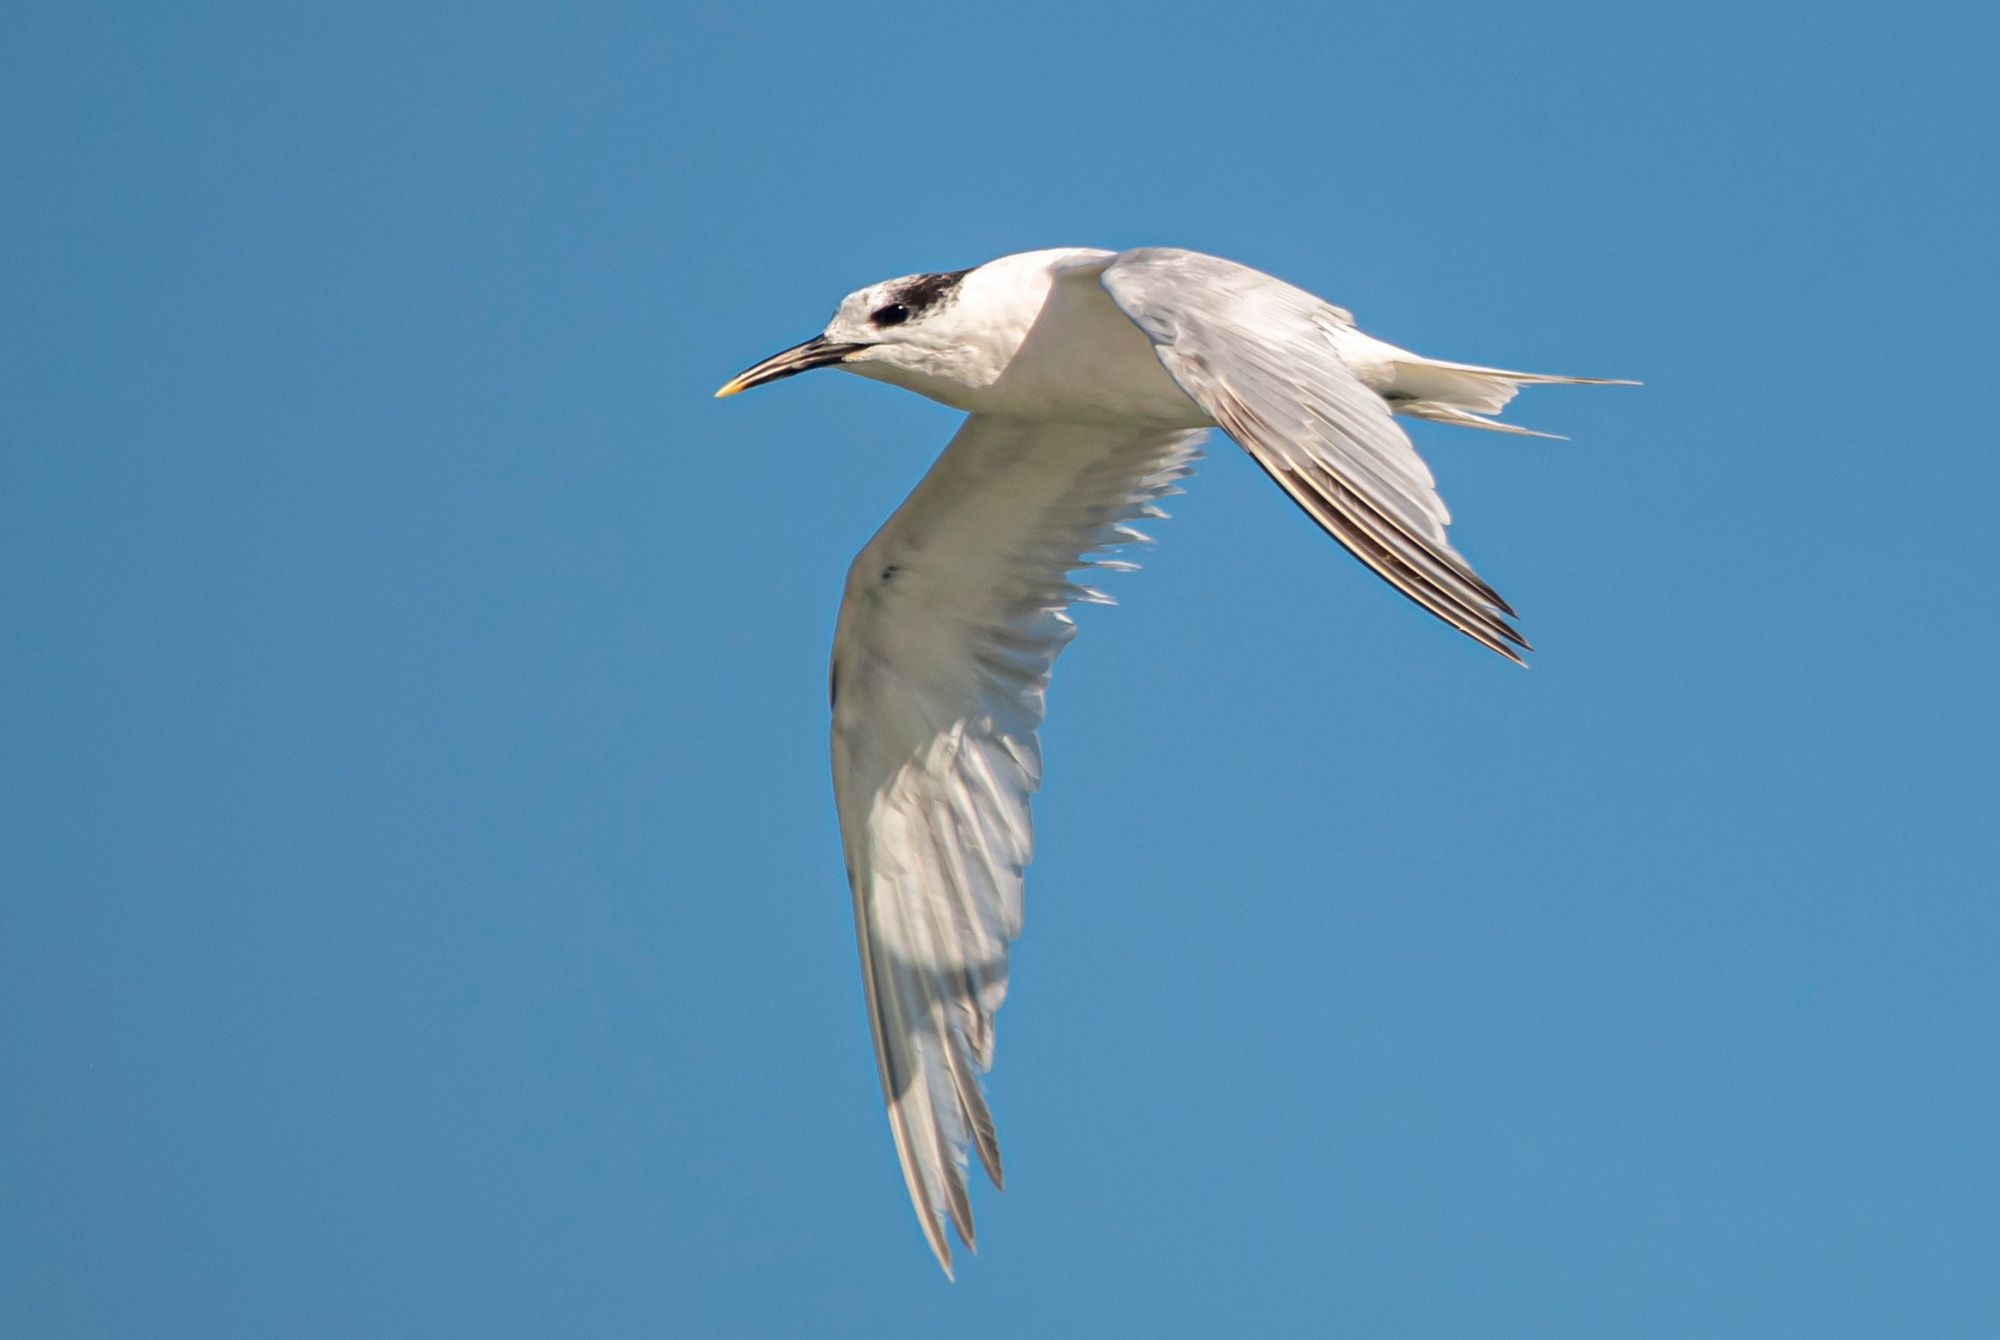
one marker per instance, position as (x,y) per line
(1089,377)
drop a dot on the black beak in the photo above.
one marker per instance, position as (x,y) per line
(817,352)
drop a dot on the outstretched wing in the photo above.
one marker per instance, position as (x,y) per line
(1263,358)
(952,618)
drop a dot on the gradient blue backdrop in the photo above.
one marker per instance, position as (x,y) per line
(422,910)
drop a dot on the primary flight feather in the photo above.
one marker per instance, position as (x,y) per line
(1089,378)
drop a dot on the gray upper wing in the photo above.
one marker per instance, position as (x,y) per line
(1260,357)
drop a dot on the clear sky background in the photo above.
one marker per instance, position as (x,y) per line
(422,909)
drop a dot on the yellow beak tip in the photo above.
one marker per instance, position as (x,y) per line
(729,388)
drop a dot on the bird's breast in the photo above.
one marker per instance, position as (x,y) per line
(1082,359)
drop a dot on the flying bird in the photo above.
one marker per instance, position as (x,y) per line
(1088,378)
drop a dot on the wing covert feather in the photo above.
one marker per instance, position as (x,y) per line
(1261,357)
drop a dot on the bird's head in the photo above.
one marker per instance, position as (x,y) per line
(913,332)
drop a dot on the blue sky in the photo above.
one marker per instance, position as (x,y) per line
(422,911)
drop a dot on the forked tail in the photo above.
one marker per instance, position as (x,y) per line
(1464,393)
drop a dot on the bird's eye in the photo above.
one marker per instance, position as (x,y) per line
(895,314)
